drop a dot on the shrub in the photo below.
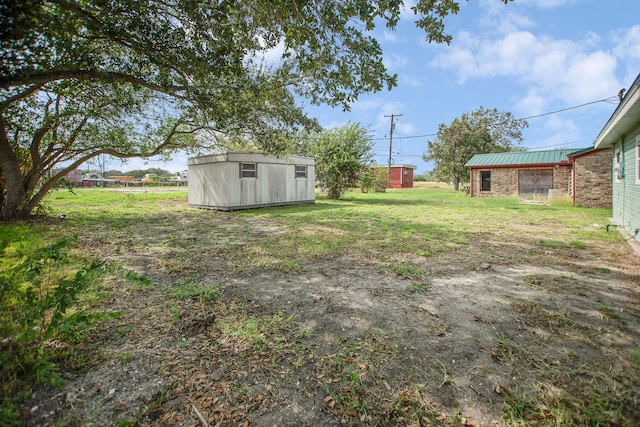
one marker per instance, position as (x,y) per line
(36,298)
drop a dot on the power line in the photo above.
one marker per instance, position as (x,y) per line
(608,100)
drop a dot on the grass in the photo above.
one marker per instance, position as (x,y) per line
(411,222)
(394,231)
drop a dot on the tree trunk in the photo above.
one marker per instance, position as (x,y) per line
(15,203)
(456,183)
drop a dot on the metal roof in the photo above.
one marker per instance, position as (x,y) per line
(521,158)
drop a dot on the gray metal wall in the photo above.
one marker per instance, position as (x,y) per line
(215,182)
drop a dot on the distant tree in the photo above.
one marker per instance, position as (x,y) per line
(482,131)
(140,173)
(113,172)
(375,177)
(341,154)
(423,177)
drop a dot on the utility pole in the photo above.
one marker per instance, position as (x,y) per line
(393,124)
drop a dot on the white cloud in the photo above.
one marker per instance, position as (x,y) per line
(389,37)
(627,49)
(628,43)
(561,69)
(404,128)
(410,80)
(533,103)
(393,62)
(548,4)
(561,132)
(589,77)
(366,105)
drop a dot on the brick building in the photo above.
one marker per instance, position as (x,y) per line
(580,174)
(591,178)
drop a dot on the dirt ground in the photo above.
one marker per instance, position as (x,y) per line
(501,324)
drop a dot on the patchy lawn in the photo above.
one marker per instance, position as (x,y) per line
(410,307)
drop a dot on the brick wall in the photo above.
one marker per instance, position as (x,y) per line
(504,181)
(592,175)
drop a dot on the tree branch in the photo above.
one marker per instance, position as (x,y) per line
(41,79)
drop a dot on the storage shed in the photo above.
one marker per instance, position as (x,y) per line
(235,180)
(402,176)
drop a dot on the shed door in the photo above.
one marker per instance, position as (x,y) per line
(277,183)
(535,182)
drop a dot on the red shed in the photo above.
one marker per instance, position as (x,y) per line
(402,176)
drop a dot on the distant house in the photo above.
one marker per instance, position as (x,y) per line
(581,174)
(74,177)
(402,176)
(622,134)
(231,181)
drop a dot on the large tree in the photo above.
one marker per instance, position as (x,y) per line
(341,154)
(481,131)
(129,78)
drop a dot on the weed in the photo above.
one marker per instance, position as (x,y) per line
(578,244)
(122,332)
(141,280)
(533,280)
(635,358)
(406,271)
(605,310)
(128,201)
(194,290)
(551,244)
(125,357)
(176,314)
(518,407)
(418,287)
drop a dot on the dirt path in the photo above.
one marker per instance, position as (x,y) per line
(457,341)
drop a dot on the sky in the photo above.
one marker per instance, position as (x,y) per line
(559,63)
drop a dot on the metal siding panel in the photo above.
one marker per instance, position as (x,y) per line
(631,192)
(215,182)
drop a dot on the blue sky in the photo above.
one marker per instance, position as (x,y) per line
(529,57)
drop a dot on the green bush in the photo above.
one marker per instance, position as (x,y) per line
(37,294)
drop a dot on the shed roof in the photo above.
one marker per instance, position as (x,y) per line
(521,158)
(238,156)
(406,166)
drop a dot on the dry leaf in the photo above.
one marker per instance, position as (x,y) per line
(470,423)
(442,417)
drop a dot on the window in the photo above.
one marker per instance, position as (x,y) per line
(486,180)
(248,170)
(301,171)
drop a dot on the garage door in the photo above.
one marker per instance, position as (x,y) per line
(535,182)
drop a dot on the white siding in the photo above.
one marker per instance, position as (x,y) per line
(626,191)
(215,182)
